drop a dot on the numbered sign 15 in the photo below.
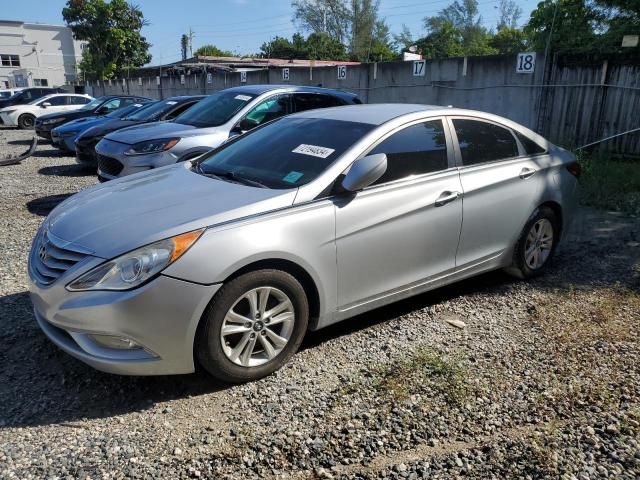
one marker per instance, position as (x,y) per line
(243,77)
(526,63)
(342,72)
(419,67)
(285,74)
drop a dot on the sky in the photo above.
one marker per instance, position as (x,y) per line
(240,26)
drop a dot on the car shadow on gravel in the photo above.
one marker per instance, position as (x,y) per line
(19,142)
(68,171)
(41,385)
(42,206)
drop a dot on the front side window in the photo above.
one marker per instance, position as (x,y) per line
(111,105)
(93,104)
(414,150)
(269,109)
(56,101)
(484,142)
(287,153)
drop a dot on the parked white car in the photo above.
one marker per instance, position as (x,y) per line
(24,116)
(7,92)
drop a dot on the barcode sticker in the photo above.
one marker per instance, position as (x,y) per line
(313,150)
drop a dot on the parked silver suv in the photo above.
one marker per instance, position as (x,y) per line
(222,115)
(229,259)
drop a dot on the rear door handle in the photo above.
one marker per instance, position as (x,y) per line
(446,197)
(526,173)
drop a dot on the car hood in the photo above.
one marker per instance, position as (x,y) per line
(150,131)
(81,123)
(121,215)
(109,126)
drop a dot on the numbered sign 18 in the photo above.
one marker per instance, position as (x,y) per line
(182,79)
(209,78)
(526,63)
(285,74)
(243,77)
(157,80)
(342,72)
(419,67)
(140,81)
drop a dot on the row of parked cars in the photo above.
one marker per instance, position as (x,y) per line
(248,217)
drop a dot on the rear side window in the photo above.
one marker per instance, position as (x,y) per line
(57,101)
(484,142)
(173,114)
(311,101)
(78,100)
(414,150)
(531,147)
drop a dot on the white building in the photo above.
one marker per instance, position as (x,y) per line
(34,54)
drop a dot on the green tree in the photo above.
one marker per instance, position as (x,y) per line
(322,16)
(459,28)
(320,46)
(575,23)
(445,41)
(281,47)
(509,41)
(112,31)
(184,45)
(509,14)
(212,51)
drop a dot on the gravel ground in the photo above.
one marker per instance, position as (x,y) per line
(537,380)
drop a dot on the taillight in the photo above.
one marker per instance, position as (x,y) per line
(574,169)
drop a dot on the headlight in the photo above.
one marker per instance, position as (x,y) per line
(134,268)
(52,121)
(72,133)
(152,146)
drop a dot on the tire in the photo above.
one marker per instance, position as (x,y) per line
(231,308)
(525,262)
(26,121)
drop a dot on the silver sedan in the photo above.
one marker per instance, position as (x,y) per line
(228,260)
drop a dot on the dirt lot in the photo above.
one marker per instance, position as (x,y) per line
(542,382)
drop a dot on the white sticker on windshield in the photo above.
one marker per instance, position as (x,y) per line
(244,98)
(313,150)
(137,104)
(171,102)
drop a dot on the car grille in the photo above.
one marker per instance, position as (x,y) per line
(52,257)
(109,165)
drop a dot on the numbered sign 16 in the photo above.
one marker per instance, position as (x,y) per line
(526,63)
(342,72)
(285,74)
(140,81)
(419,67)
(243,77)
(209,78)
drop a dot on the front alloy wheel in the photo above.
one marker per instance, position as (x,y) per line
(252,326)
(257,327)
(538,244)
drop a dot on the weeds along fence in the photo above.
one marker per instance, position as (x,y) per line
(572,103)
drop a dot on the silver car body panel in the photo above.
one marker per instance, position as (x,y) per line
(361,251)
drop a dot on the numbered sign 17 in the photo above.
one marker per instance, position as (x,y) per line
(243,77)
(526,63)
(285,74)
(342,72)
(419,67)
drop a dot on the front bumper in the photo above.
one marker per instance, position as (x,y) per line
(85,154)
(113,163)
(7,120)
(44,131)
(161,316)
(64,141)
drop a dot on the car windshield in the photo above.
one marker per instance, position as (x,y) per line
(215,110)
(155,110)
(286,153)
(124,112)
(5,94)
(93,103)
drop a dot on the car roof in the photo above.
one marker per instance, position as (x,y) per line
(260,89)
(51,95)
(374,114)
(184,98)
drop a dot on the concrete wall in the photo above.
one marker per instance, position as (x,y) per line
(569,104)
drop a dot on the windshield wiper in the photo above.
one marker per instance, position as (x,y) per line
(228,175)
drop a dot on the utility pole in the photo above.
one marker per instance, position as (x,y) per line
(191,42)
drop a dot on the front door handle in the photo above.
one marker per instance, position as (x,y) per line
(446,197)
(527,173)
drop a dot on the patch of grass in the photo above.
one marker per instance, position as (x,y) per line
(610,184)
(423,369)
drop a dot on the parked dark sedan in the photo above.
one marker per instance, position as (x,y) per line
(160,111)
(99,106)
(28,95)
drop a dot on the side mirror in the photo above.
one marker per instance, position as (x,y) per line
(364,172)
(245,125)
(45,105)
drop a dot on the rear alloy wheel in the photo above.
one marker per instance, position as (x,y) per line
(536,244)
(254,324)
(26,121)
